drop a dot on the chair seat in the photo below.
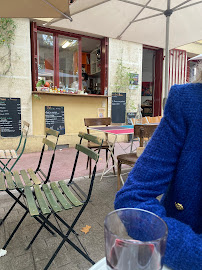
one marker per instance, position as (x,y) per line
(18,179)
(58,197)
(10,157)
(8,154)
(129,159)
(94,145)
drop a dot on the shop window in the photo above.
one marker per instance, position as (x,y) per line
(68,62)
(91,64)
(45,50)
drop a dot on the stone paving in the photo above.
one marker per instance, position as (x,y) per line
(42,249)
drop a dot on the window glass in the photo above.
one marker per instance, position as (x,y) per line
(45,59)
(68,63)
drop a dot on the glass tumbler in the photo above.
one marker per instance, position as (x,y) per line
(135,239)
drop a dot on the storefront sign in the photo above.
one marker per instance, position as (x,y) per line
(118,107)
(54,116)
(134,81)
(10,117)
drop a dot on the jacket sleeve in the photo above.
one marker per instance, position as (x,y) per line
(151,176)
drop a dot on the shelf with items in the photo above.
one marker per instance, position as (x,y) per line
(95,67)
(146,110)
(34,93)
(95,61)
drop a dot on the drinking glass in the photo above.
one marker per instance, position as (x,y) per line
(135,239)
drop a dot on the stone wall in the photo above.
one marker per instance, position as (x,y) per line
(16,83)
(131,55)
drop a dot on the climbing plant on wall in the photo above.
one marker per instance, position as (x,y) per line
(122,77)
(7,34)
(122,84)
(7,31)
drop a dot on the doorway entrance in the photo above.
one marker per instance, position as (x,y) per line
(152,68)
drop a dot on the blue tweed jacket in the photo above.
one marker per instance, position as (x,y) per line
(172,164)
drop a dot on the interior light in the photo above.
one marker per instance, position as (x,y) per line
(66,44)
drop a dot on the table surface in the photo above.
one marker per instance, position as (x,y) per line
(126,129)
(119,130)
(101,265)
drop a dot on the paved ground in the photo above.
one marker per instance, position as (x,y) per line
(36,258)
(64,159)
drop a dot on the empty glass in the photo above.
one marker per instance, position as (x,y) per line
(135,239)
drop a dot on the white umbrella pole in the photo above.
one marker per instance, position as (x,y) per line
(167,13)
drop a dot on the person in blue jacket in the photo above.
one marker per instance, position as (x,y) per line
(171,165)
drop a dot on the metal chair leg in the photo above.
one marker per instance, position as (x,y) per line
(37,233)
(118,175)
(5,217)
(15,230)
(65,239)
(107,156)
(113,162)
(90,165)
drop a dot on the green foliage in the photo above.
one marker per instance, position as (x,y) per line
(122,78)
(36,97)
(40,83)
(7,34)
(7,31)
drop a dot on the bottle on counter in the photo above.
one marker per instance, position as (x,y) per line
(138,116)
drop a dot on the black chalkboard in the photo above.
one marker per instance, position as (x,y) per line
(10,117)
(118,107)
(54,116)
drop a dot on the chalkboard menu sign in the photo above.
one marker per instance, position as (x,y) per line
(54,116)
(118,107)
(10,117)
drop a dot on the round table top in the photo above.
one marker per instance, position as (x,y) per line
(101,265)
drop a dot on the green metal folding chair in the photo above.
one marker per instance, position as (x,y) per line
(18,180)
(44,200)
(14,154)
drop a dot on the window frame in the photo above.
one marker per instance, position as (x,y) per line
(56,33)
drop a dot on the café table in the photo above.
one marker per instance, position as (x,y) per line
(113,130)
(116,130)
(101,265)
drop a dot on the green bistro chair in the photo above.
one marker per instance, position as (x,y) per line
(14,154)
(18,180)
(44,200)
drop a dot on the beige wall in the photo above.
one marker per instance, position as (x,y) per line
(131,54)
(192,48)
(76,108)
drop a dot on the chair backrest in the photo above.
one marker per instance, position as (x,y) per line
(154,119)
(106,121)
(23,137)
(91,154)
(148,119)
(51,142)
(144,120)
(144,131)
